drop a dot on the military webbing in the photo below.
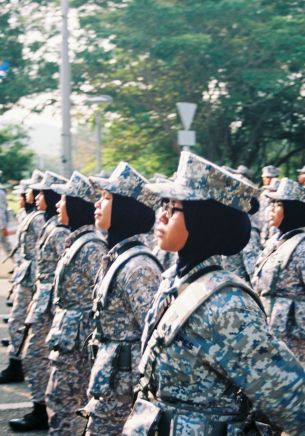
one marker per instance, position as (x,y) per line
(46,230)
(118,263)
(285,255)
(71,253)
(190,299)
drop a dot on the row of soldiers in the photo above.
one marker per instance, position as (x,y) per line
(95,320)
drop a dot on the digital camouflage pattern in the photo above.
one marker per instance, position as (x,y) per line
(77,186)
(223,353)
(125,180)
(119,324)
(279,279)
(243,263)
(35,353)
(36,177)
(265,206)
(24,277)
(199,179)
(71,325)
(288,190)
(270,171)
(48,179)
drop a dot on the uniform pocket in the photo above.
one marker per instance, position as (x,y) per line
(102,373)
(22,272)
(64,332)
(41,301)
(143,420)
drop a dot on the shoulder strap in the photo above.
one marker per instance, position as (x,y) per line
(288,248)
(118,263)
(28,219)
(46,231)
(194,296)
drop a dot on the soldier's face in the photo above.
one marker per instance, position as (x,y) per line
(266,180)
(103,210)
(301,179)
(40,201)
(30,197)
(277,214)
(61,208)
(171,230)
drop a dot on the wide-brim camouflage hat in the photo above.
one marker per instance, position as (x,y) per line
(200,179)
(288,190)
(270,171)
(128,182)
(301,170)
(48,180)
(36,177)
(77,186)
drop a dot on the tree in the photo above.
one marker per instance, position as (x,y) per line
(242,61)
(16,160)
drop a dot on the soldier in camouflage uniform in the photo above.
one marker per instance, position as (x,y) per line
(301,175)
(24,283)
(126,283)
(270,181)
(72,322)
(35,352)
(207,349)
(4,242)
(279,277)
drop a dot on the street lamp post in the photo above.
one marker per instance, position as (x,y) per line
(98,100)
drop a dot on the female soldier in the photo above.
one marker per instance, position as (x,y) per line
(35,352)
(127,281)
(72,323)
(206,345)
(23,282)
(280,272)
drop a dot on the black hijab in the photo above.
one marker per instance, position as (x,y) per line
(129,217)
(51,198)
(80,212)
(294,216)
(213,229)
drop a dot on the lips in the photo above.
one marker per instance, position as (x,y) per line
(159,233)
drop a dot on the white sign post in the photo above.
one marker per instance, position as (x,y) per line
(186,137)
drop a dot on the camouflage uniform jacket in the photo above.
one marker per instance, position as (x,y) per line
(72,321)
(120,319)
(279,279)
(49,249)
(225,345)
(3,210)
(29,233)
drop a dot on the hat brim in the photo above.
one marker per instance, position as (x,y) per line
(101,184)
(39,187)
(176,191)
(276,196)
(62,189)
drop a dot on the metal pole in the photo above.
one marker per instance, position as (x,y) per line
(65,88)
(98,142)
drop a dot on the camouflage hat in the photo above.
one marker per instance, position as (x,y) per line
(23,186)
(36,177)
(301,170)
(200,179)
(77,186)
(48,179)
(243,171)
(270,171)
(126,181)
(274,184)
(288,190)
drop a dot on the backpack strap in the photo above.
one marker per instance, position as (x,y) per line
(193,296)
(118,263)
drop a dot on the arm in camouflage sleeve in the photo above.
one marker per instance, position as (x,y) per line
(264,368)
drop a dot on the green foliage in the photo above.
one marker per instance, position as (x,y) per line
(16,159)
(241,61)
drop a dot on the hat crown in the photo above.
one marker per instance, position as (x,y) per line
(289,190)
(36,177)
(200,179)
(51,178)
(79,186)
(270,171)
(126,181)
